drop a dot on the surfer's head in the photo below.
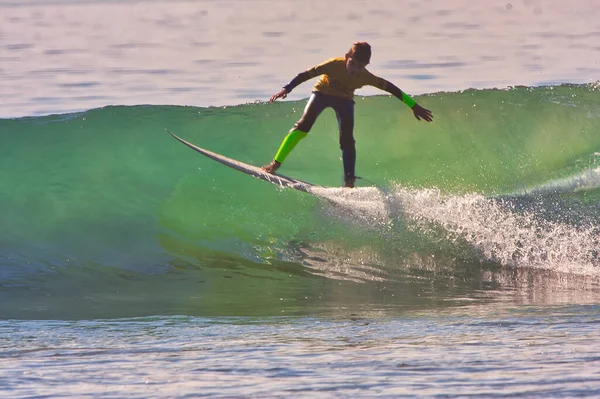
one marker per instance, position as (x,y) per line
(358,57)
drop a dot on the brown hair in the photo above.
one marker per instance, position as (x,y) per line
(361,51)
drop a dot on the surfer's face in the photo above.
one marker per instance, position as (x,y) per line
(353,66)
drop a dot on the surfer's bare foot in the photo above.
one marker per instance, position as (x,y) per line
(349,182)
(272,167)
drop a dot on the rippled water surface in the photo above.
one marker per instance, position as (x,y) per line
(481,352)
(76,55)
(130,267)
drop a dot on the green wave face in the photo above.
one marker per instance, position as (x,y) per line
(105,204)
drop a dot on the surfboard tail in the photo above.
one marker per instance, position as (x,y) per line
(277,179)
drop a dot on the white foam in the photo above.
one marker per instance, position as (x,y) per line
(490,226)
(586,180)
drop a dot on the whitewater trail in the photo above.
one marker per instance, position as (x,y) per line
(588,179)
(490,225)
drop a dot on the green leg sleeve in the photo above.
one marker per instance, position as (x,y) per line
(288,144)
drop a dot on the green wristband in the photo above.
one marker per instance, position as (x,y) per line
(406,99)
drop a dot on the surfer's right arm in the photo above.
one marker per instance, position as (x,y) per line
(302,77)
(299,79)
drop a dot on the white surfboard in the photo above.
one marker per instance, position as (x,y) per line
(277,179)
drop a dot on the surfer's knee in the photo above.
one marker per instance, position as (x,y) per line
(316,104)
(304,125)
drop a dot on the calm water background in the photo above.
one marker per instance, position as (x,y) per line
(125,275)
(63,56)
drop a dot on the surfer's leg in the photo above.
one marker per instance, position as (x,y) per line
(316,104)
(344,110)
(288,144)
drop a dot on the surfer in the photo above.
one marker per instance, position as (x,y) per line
(335,89)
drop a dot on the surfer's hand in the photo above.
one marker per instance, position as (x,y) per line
(421,112)
(282,94)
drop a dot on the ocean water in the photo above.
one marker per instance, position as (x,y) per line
(467,263)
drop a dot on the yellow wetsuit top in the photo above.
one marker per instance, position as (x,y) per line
(336,81)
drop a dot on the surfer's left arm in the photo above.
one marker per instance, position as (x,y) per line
(418,111)
(385,85)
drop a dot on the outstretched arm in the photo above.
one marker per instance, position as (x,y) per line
(302,77)
(299,79)
(418,111)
